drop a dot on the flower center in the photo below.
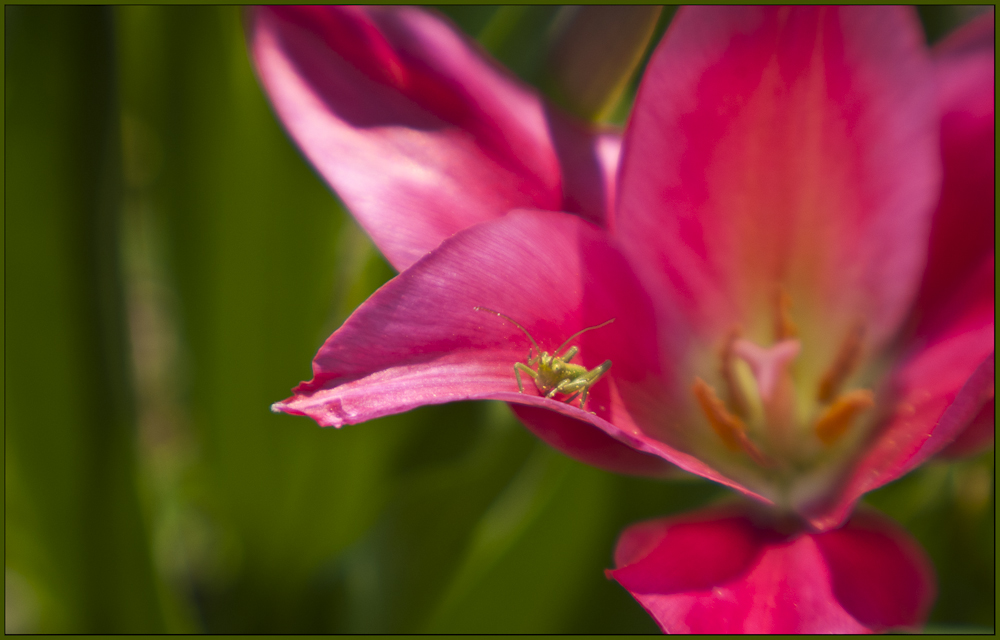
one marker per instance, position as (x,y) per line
(763,412)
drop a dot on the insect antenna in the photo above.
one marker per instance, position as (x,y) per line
(514,322)
(596,326)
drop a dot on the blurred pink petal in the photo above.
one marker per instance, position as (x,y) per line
(962,239)
(415,129)
(962,231)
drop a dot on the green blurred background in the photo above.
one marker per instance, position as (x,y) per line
(171,266)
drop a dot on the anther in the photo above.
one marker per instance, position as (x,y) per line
(784,328)
(843,365)
(840,415)
(725,424)
(736,399)
(728,427)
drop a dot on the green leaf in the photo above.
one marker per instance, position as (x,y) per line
(529,551)
(74,529)
(392,579)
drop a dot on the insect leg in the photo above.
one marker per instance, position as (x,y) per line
(570,353)
(598,371)
(518,368)
(580,385)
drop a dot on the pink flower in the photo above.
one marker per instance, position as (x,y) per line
(796,248)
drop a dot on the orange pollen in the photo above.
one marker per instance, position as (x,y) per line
(840,415)
(784,328)
(843,365)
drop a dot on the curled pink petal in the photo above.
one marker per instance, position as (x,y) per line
(420,340)
(415,129)
(868,576)
(792,146)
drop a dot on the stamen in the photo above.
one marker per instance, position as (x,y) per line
(843,365)
(839,416)
(737,400)
(784,328)
(729,428)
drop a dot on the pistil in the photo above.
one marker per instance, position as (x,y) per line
(774,386)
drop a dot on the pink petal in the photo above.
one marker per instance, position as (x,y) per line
(926,419)
(792,146)
(975,35)
(975,438)
(959,279)
(676,556)
(880,575)
(588,445)
(970,308)
(963,228)
(718,571)
(415,129)
(937,390)
(419,340)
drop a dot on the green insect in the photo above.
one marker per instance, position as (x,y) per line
(554,373)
